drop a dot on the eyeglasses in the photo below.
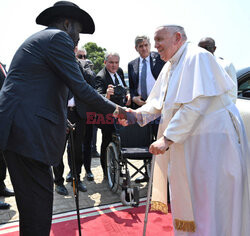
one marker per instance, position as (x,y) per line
(80,56)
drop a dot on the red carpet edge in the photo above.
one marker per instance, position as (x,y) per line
(58,218)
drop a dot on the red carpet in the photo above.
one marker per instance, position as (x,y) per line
(109,220)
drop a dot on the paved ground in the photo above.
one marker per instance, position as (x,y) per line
(98,193)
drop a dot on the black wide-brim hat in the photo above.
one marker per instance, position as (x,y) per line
(67,9)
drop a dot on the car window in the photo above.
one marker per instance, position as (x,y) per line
(244,85)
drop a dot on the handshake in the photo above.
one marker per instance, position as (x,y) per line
(125,116)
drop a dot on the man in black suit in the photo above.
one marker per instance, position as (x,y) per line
(33,110)
(142,73)
(81,110)
(82,135)
(109,77)
(4,192)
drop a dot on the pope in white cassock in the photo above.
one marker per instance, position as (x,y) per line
(208,162)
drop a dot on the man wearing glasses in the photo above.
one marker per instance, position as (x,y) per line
(82,134)
(81,54)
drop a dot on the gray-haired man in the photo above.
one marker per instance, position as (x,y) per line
(142,73)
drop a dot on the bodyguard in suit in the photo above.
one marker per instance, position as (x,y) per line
(33,110)
(82,135)
(81,109)
(109,77)
(4,192)
(142,73)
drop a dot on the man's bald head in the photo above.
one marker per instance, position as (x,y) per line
(208,44)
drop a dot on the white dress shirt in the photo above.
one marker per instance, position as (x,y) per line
(71,102)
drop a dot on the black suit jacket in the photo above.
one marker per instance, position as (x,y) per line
(156,65)
(81,107)
(33,99)
(103,79)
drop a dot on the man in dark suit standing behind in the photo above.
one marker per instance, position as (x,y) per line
(153,65)
(4,192)
(77,115)
(142,73)
(111,75)
(33,110)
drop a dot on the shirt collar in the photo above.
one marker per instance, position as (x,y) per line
(112,74)
(176,57)
(147,59)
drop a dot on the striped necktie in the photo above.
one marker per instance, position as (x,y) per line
(144,80)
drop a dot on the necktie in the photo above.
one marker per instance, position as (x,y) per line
(116,80)
(143,80)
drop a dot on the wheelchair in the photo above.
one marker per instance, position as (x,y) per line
(128,143)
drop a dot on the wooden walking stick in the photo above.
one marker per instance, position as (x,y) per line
(75,180)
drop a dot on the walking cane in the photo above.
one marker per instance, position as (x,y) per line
(73,167)
(148,195)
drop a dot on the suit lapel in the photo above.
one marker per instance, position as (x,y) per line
(152,64)
(108,78)
(136,67)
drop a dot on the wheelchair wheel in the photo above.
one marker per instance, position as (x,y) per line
(113,167)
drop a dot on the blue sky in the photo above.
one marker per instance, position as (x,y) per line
(118,22)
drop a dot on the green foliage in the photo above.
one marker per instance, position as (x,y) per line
(96,54)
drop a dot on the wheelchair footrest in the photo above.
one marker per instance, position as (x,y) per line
(130,196)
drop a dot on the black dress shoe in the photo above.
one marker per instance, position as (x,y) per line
(60,189)
(142,179)
(95,154)
(6,192)
(4,206)
(81,187)
(90,176)
(69,177)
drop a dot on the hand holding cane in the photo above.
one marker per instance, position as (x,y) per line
(150,183)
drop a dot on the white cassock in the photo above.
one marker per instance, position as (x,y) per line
(208,162)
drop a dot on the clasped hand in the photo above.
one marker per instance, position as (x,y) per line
(126,116)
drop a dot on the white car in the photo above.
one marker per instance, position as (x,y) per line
(243,101)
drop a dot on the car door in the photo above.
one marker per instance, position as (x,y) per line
(243,101)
